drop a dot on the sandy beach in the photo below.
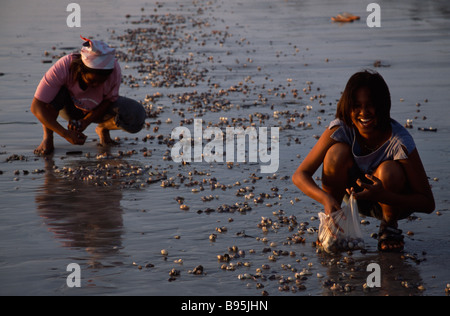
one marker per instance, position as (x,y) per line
(279,63)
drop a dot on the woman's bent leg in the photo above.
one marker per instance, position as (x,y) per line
(47,146)
(125,114)
(393,178)
(337,164)
(103,133)
(45,113)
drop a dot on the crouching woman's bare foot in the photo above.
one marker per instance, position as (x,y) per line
(105,137)
(47,147)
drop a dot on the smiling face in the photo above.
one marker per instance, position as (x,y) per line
(363,114)
(365,103)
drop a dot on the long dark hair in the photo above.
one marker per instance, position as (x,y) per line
(77,68)
(379,94)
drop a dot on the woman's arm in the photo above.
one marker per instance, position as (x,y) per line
(47,116)
(92,116)
(302,178)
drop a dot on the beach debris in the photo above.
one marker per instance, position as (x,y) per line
(184,207)
(224,258)
(428,129)
(74,153)
(179,261)
(179,199)
(345,17)
(213,237)
(16,157)
(174,273)
(222,229)
(378,63)
(409,123)
(198,270)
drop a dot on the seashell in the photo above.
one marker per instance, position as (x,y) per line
(335,287)
(231,267)
(223,258)
(164,252)
(305,272)
(222,229)
(198,270)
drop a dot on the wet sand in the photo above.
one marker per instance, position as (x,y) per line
(225,59)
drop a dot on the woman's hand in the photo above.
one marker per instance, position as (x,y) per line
(371,192)
(75,137)
(331,205)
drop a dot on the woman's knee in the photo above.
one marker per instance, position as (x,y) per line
(338,158)
(392,175)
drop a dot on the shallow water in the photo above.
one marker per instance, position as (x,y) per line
(49,220)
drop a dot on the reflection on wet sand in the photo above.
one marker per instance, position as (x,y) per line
(81,215)
(347,275)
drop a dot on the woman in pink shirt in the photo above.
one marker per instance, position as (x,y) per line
(83,89)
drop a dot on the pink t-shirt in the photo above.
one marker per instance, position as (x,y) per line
(87,100)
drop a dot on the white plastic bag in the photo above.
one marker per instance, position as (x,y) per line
(341,230)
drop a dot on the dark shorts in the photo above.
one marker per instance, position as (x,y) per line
(129,115)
